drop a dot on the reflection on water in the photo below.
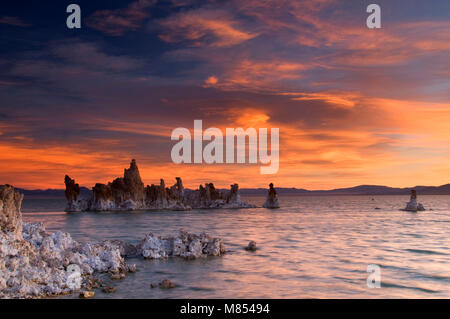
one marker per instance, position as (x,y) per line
(313,247)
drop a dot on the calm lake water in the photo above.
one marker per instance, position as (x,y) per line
(312,247)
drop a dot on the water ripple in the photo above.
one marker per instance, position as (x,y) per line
(312,247)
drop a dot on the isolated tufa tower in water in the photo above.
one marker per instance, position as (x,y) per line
(272,198)
(412,205)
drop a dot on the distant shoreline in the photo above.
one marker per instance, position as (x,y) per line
(362,190)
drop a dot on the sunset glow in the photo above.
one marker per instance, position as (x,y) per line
(354,106)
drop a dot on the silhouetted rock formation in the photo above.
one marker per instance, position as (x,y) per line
(251,246)
(272,198)
(412,205)
(208,197)
(129,193)
(72,189)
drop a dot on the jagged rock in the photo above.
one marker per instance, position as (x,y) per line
(412,205)
(133,183)
(166,284)
(87,294)
(10,216)
(126,249)
(272,198)
(189,246)
(208,197)
(129,193)
(251,246)
(92,283)
(234,195)
(74,203)
(117,276)
(132,268)
(109,289)
(72,189)
(36,263)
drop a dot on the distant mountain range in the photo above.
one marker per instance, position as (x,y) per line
(50,193)
(357,190)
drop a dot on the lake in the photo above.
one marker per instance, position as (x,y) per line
(312,247)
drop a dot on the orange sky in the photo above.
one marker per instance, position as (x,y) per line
(310,158)
(354,106)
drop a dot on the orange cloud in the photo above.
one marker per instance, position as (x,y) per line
(251,74)
(117,22)
(211,81)
(353,105)
(340,99)
(202,26)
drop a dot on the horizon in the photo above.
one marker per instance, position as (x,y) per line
(353,105)
(251,188)
(240,153)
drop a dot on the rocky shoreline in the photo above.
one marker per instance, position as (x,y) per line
(35,263)
(272,198)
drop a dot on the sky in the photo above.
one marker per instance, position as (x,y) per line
(353,105)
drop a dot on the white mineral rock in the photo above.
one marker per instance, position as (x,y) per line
(35,263)
(189,246)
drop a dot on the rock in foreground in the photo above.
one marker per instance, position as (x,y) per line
(164,284)
(39,264)
(189,246)
(128,193)
(35,263)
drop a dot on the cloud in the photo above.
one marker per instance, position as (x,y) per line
(353,106)
(14,21)
(90,55)
(340,99)
(305,46)
(118,22)
(260,74)
(211,81)
(202,27)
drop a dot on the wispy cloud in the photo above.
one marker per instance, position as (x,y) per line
(340,99)
(204,27)
(353,105)
(14,21)
(90,55)
(118,22)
